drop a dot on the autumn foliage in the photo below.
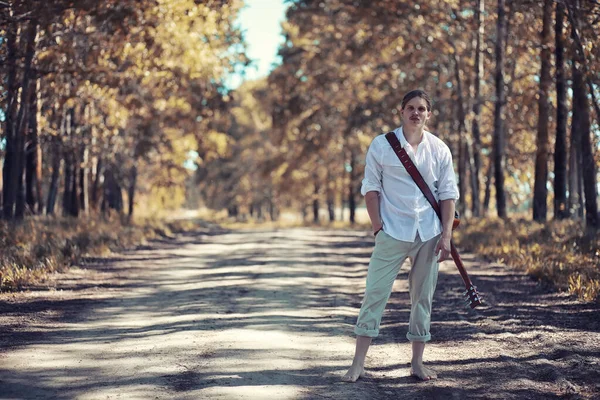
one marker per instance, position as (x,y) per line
(104,101)
(108,105)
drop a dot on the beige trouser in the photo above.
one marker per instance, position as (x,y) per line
(388,256)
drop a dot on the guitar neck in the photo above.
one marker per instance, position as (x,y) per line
(460,266)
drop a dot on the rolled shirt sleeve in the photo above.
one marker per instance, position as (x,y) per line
(373,169)
(447,189)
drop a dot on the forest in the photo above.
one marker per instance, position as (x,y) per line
(116,109)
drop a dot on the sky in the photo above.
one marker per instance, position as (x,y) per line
(261,22)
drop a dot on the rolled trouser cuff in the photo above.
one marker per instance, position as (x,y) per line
(360,331)
(416,338)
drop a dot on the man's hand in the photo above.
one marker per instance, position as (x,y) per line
(372,202)
(442,250)
(377,228)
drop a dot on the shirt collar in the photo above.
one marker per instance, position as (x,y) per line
(400,135)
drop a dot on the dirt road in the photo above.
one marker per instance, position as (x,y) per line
(268,314)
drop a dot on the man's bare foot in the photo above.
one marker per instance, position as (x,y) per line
(353,374)
(423,373)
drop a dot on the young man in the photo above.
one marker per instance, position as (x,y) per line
(405,225)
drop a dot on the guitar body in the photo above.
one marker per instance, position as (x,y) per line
(472,297)
(456,221)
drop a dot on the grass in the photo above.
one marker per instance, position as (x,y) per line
(557,252)
(40,246)
(560,253)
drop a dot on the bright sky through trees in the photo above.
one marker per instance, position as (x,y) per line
(261,22)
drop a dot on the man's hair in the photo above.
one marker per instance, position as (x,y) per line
(416,93)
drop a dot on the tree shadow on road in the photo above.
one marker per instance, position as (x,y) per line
(186,286)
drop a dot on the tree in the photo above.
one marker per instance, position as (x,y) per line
(345,67)
(581,122)
(499,158)
(540,191)
(476,130)
(561,208)
(117,92)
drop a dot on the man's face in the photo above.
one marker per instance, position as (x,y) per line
(415,113)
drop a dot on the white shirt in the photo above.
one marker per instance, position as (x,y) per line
(405,212)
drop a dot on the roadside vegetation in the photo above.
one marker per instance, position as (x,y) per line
(557,252)
(125,108)
(37,247)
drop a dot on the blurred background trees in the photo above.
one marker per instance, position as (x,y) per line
(106,105)
(105,100)
(507,79)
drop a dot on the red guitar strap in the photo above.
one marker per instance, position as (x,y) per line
(413,171)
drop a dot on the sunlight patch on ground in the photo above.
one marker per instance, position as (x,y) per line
(275,392)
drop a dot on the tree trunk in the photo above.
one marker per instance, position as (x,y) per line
(232,211)
(104,208)
(20,203)
(331,204)
(18,174)
(131,191)
(582,124)
(315,203)
(118,198)
(68,185)
(498,140)
(580,103)
(53,189)
(113,197)
(351,190)
(575,170)
(330,196)
(479,57)
(70,197)
(540,188)
(273,214)
(575,18)
(590,188)
(84,181)
(9,192)
(463,151)
(259,211)
(465,159)
(331,210)
(75,175)
(574,175)
(33,151)
(30,167)
(488,186)
(1,185)
(561,208)
(39,160)
(98,180)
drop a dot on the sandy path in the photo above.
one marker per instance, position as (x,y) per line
(267,314)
